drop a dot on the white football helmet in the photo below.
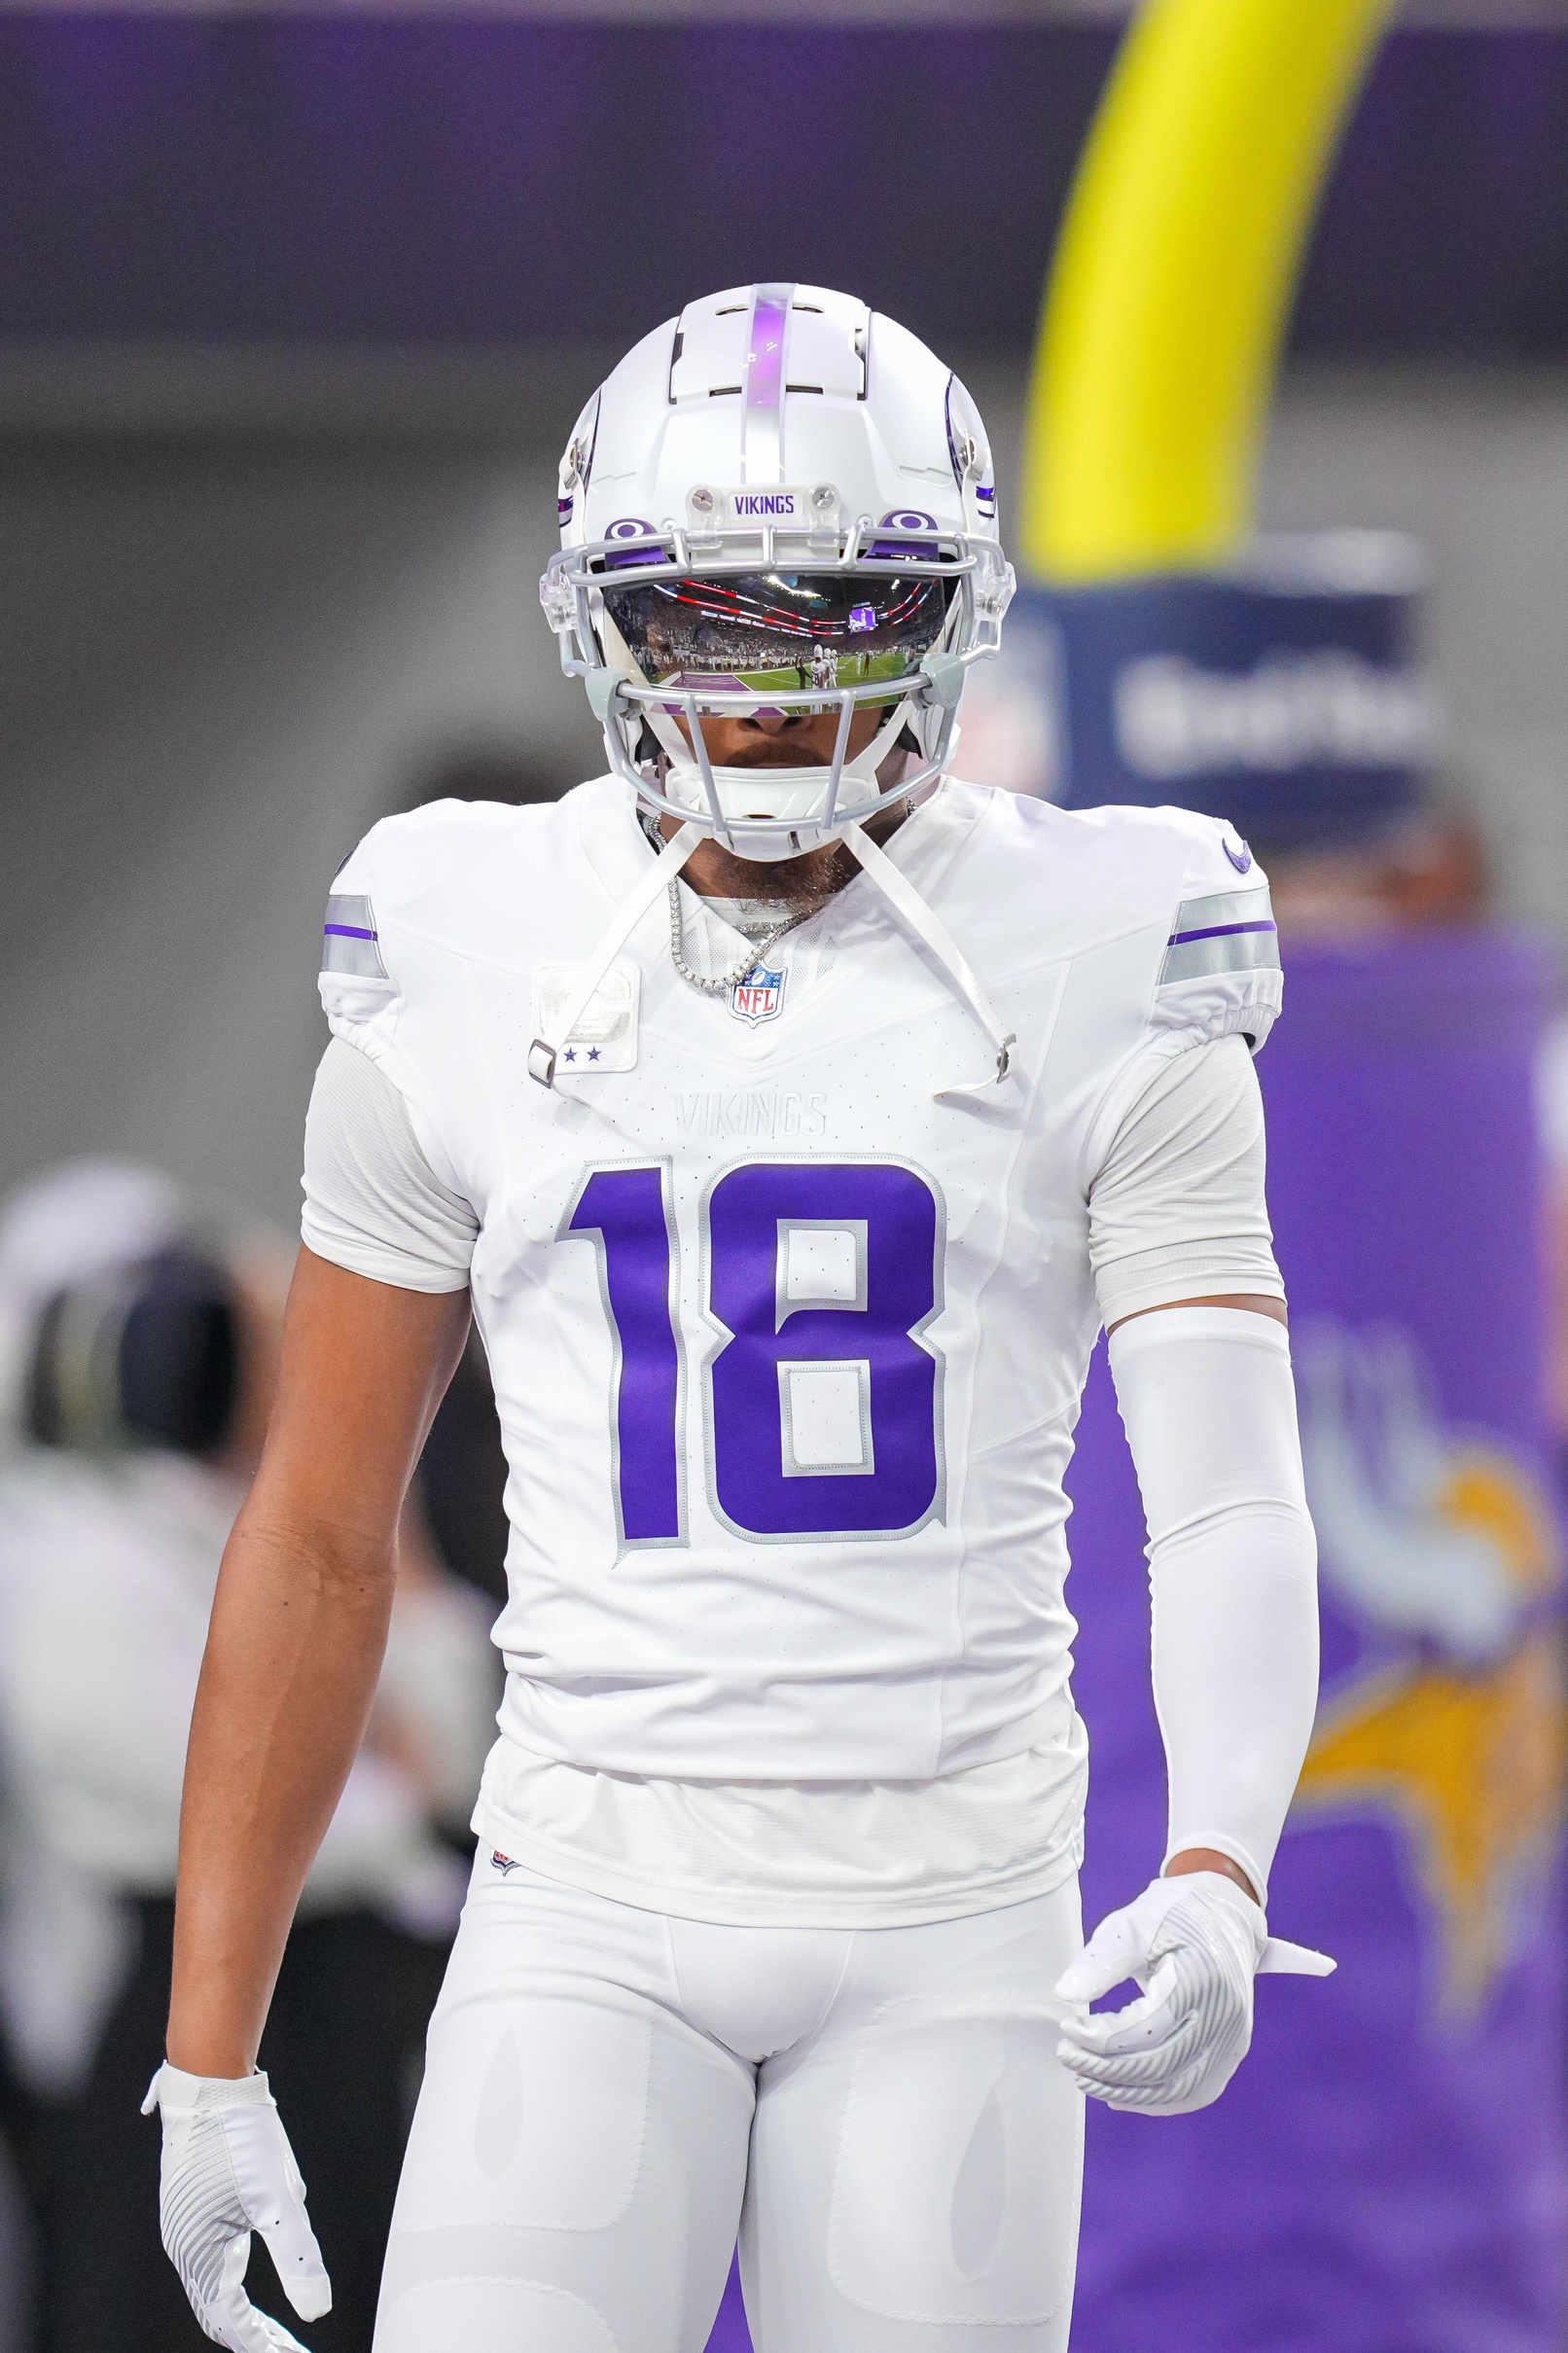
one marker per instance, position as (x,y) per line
(781,500)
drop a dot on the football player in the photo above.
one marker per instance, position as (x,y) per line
(790,1118)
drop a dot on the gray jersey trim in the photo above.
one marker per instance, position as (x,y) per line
(349,939)
(1229,932)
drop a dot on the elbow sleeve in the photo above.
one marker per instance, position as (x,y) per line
(1209,1408)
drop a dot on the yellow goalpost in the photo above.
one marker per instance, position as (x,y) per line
(1173,277)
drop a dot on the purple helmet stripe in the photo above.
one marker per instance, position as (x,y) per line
(761,458)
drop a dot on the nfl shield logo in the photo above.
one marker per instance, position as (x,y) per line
(759,996)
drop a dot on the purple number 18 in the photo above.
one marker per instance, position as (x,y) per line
(624,1209)
(823,1402)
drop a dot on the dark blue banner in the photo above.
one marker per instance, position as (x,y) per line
(1286,695)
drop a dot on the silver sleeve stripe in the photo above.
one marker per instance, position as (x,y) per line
(349,940)
(1230,932)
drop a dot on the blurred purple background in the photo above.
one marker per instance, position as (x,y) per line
(473,179)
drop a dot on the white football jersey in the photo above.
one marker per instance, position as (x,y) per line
(788,1338)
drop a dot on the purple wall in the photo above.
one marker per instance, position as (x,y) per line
(469,179)
(1386,2173)
(418,180)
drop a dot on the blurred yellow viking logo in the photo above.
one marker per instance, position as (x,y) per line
(1446,1552)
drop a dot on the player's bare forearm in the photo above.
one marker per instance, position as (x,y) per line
(298,1626)
(290,1667)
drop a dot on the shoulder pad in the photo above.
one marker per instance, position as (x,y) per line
(403,871)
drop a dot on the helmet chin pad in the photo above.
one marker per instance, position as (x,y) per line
(772,813)
(792,799)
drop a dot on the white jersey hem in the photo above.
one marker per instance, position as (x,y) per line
(1061,1859)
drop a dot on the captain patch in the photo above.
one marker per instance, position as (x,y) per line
(605,1037)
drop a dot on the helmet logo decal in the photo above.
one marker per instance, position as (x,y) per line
(634,533)
(903,518)
(960,448)
(966,451)
(764,502)
(761,458)
(578,463)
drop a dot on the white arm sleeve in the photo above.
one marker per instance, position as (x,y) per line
(1177,1210)
(1209,1407)
(372,1202)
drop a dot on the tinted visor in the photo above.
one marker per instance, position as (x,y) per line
(781,630)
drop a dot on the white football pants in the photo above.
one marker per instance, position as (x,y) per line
(610,2094)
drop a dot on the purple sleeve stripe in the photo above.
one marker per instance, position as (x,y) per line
(1218,931)
(349,931)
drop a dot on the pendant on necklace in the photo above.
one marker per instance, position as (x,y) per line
(759,996)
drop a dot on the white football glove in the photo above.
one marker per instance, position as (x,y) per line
(1194,1945)
(228,2170)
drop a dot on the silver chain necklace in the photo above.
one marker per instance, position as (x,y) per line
(753,956)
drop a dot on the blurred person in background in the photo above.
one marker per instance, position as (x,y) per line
(139,1354)
(1425,867)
